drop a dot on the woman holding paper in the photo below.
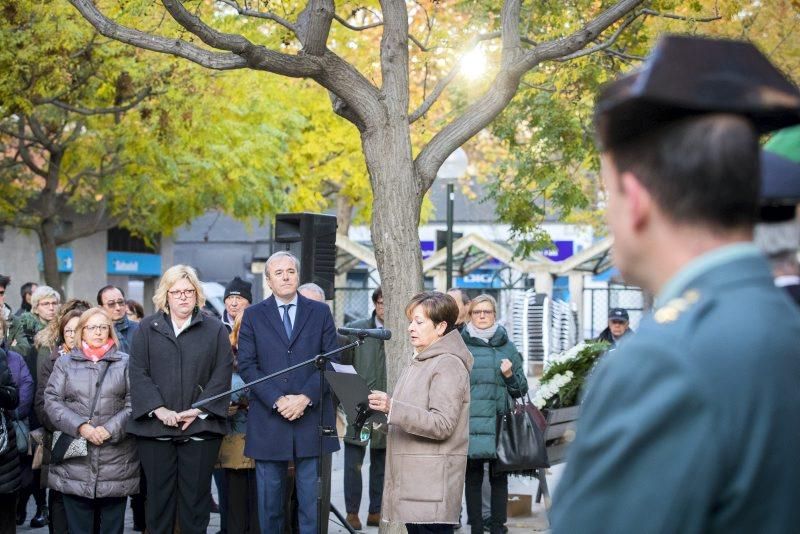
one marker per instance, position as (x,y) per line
(428,421)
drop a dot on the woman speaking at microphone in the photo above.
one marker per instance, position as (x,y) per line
(428,421)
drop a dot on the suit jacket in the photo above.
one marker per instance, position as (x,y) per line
(690,426)
(264,349)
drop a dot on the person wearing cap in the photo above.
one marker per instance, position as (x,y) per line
(618,327)
(238,296)
(778,231)
(689,426)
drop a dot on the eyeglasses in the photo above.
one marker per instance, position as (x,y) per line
(482,312)
(186,293)
(69,332)
(379,303)
(97,327)
(115,303)
(49,304)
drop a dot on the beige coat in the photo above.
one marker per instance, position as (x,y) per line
(426,453)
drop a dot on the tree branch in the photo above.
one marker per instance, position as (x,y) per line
(247,12)
(654,13)
(605,44)
(144,93)
(314,26)
(349,26)
(515,62)
(444,82)
(394,56)
(155,43)
(571,44)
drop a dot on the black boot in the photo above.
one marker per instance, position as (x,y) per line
(22,513)
(41,518)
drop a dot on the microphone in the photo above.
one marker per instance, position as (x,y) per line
(377,333)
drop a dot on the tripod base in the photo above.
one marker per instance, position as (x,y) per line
(344,522)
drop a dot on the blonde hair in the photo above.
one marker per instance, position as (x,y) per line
(234,335)
(88,314)
(481,299)
(51,335)
(170,278)
(43,292)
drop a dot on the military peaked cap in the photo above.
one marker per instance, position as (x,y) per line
(686,76)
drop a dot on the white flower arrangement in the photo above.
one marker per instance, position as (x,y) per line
(564,375)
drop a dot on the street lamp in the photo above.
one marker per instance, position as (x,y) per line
(453,168)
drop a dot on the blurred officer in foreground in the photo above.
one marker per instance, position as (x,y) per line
(690,425)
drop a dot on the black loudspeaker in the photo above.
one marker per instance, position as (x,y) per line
(312,238)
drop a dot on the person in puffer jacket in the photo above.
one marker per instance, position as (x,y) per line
(9,458)
(496,375)
(100,481)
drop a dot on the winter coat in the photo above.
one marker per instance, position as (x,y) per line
(22,332)
(369,361)
(45,370)
(9,460)
(112,469)
(426,453)
(23,381)
(126,329)
(488,388)
(176,372)
(15,337)
(606,336)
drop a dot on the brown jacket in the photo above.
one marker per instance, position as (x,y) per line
(426,453)
(112,469)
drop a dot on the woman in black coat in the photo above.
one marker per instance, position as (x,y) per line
(9,458)
(179,356)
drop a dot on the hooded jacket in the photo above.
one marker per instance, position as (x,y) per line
(426,455)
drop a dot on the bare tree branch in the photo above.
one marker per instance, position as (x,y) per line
(654,13)
(314,25)
(394,56)
(515,62)
(247,12)
(175,47)
(99,111)
(444,82)
(605,44)
(349,26)
(623,55)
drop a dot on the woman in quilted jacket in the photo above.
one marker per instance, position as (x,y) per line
(496,374)
(100,479)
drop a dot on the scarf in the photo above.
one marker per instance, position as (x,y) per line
(481,333)
(96,354)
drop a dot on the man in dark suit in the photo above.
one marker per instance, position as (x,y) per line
(282,426)
(690,425)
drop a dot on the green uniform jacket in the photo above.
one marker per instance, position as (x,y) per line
(369,361)
(488,389)
(691,426)
(17,340)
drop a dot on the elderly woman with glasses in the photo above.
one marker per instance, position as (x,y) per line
(497,374)
(179,356)
(88,398)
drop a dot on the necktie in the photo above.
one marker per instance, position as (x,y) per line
(287,321)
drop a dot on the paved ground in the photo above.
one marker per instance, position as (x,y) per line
(536,522)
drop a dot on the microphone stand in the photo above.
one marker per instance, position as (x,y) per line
(319,361)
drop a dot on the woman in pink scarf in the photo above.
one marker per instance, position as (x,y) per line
(88,396)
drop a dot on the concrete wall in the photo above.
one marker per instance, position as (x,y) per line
(18,253)
(89,271)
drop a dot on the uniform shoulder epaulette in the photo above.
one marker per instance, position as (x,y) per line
(673,309)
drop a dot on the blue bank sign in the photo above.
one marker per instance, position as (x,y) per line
(129,263)
(66,262)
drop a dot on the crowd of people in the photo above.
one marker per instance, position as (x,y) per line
(104,399)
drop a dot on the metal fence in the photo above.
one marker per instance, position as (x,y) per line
(597,302)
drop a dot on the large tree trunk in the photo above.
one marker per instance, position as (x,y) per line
(395,235)
(47,242)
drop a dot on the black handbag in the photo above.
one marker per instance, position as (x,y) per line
(65,446)
(521,444)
